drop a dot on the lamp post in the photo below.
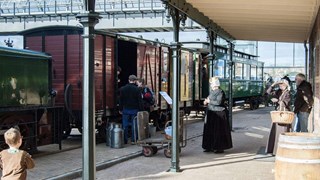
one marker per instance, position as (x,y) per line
(88,18)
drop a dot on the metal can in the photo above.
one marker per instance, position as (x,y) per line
(109,133)
(117,136)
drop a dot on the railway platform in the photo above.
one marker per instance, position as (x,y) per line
(246,160)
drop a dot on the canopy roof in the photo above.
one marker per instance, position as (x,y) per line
(262,20)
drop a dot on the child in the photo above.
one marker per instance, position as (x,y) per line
(14,162)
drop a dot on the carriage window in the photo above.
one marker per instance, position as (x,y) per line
(238,71)
(219,68)
(246,71)
(260,75)
(227,71)
(253,73)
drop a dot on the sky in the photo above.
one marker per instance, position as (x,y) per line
(167,37)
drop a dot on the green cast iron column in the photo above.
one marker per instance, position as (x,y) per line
(230,95)
(175,47)
(211,55)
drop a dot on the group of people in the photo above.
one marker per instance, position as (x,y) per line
(217,131)
(303,102)
(134,97)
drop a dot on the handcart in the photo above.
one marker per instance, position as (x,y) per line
(150,145)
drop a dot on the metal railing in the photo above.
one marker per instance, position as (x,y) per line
(13,8)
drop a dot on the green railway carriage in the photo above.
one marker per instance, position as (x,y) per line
(247,85)
(25,100)
(24,77)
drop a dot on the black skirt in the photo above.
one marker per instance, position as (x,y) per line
(275,131)
(216,131)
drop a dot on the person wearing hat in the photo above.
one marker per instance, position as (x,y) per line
(281,97)
(130,103)
(216,131)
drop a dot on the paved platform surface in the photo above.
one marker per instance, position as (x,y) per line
(245,160)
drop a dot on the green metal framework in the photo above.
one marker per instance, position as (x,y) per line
(197,16)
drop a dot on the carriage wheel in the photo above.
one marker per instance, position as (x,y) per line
(254,103)
(257,105)
(147,151)
(167,153)
(251,105)
(10,121)
(154,149)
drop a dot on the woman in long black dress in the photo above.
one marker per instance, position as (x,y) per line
(282,99)
(216,131)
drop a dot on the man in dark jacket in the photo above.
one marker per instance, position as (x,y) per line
(303,103)
(130,103)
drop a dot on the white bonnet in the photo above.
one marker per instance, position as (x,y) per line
(214,81)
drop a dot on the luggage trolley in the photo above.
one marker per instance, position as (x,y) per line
(150,143)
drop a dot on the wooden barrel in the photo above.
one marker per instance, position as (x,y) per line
(298,156)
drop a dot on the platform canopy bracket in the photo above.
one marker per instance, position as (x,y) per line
(199,17)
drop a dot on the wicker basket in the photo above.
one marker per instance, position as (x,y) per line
(283,117)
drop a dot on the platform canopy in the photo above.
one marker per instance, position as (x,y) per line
(262,20)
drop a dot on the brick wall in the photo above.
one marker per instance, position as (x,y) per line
(314,73)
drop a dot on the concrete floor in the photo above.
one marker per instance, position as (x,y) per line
(245,160)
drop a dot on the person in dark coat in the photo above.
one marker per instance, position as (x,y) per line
(146,94)
(303,103)
(130,103)
(281,97)
(216,131)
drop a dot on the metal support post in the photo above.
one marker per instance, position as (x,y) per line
(310,74)
(175,158)
(230,94)
(211,56)
(175,47)
(88,18)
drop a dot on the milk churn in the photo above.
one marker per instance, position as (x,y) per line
(117,136)
(152,130)
(108,133)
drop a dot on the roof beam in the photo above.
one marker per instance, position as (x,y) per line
(199,17)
